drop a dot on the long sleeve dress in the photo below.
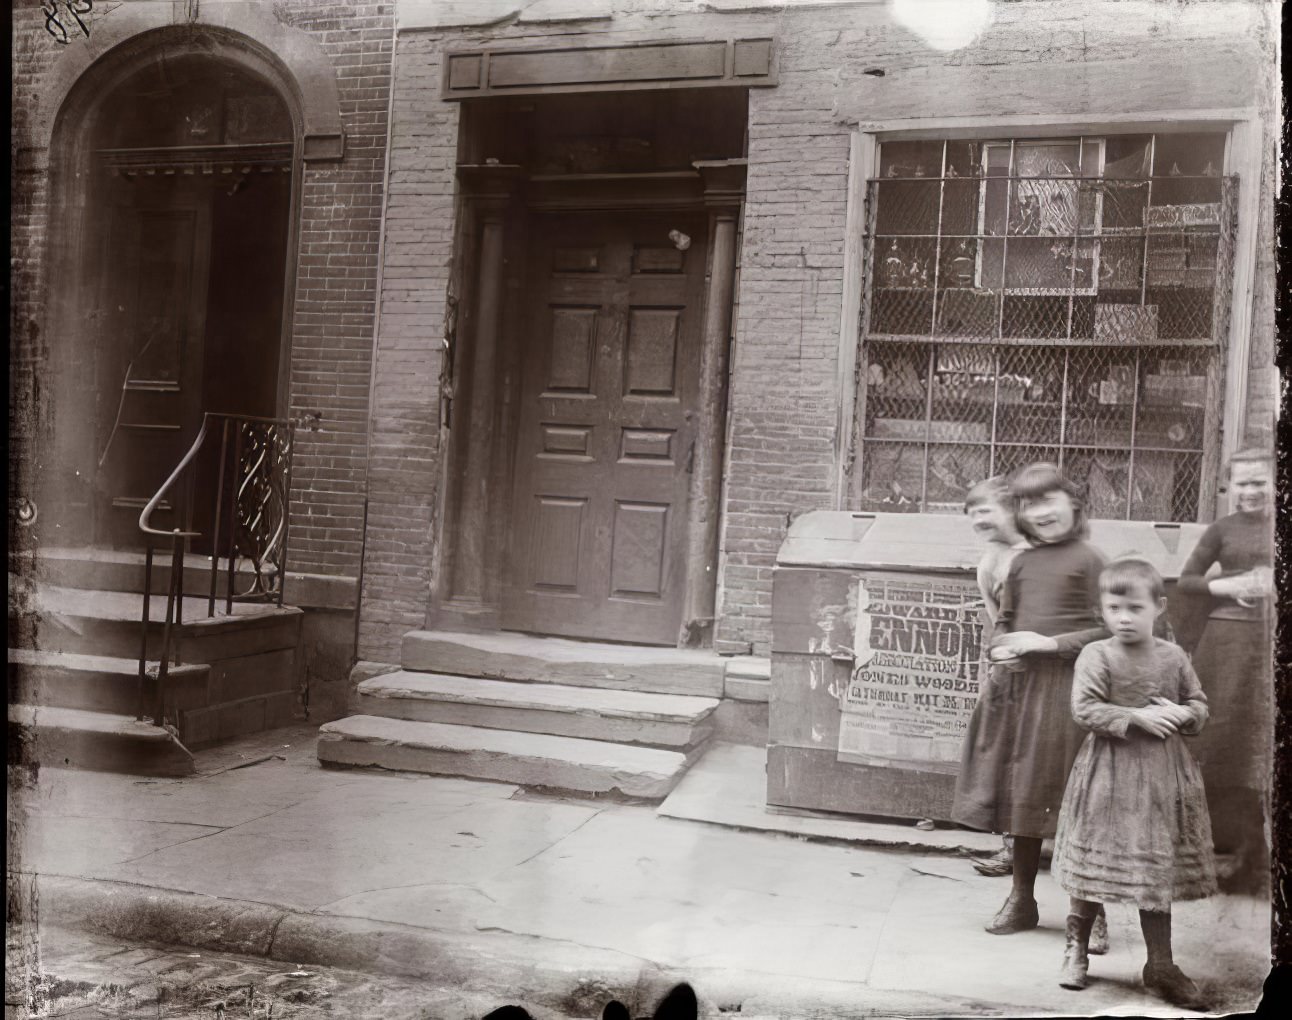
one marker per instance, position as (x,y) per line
(1233,660)
(1022,739)
(1134,825)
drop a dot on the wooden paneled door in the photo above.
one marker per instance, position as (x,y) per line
(608,422)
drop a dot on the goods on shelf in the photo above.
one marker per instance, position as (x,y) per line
(1126,323)
(1198,214)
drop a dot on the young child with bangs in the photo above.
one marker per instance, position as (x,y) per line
(1022,738)
(1134,825)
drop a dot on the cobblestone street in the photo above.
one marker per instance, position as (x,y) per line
(87,977)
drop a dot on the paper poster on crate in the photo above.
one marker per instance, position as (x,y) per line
(914,682)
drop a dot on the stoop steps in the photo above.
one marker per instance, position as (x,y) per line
(539,712)
(74,642)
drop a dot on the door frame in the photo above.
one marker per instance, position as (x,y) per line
(71,230)
(482,385)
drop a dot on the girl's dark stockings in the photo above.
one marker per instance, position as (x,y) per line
(1027,861)
(1156,925)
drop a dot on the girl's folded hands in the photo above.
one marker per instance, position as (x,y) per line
(1157,720)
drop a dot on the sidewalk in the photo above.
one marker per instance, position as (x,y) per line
(562,903)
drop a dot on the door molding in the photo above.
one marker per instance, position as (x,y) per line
(289,57)
(496,204)
(64,129)
(650,64)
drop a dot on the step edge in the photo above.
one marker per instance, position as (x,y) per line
(46,658)
(336,730)
(669,656)
(371,686)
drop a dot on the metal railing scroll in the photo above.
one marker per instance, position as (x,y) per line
(250,507)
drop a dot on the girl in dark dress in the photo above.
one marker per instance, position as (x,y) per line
(1022,738)
(1232,657)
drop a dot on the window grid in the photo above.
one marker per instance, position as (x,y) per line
(1079,321)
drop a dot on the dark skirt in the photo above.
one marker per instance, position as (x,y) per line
(1019,750)
(1234,749)
(1134,826)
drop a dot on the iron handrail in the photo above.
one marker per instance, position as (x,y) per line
(260,466)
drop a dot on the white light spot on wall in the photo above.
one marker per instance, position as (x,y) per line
(944,24)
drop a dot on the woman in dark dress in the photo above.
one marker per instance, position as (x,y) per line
(1233,660)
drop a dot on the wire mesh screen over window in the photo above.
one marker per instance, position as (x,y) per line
(1046,299)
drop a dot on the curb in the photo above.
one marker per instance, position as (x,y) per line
(566,977)
(514,967)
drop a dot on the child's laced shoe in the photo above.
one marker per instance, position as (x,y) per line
(1076,963)
(1018,914)
(1099,935)
(1173,984)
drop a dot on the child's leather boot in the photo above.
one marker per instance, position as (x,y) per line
(1076,962)
(1099,935)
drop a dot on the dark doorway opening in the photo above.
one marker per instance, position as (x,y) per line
(186,186)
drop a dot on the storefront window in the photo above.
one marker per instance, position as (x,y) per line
(1064,299)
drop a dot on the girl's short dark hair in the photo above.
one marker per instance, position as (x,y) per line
(1037,480)
(1127,572)
(991,490)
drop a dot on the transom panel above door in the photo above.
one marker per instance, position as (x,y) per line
(607,426)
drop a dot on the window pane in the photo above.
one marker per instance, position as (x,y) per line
(1172,399)
(1166,487)
(1187,167)
(1104,475)
(1035,318)
(953,470)
(964,159)
(963,309)
(1042,201)
(1121,267)
(892,476)
(1030,402)
(1010,459)
(910,159)
(1122,204)
(902,298)
(1127,156)
(960,206)
(908,207)
(963,392)
(1101,396)
(897,390)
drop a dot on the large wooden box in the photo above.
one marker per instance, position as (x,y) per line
(875,643)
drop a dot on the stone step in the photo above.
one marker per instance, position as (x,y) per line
(74,738)
(88,621)
(524,657)
(98,683)
(673,720)
(122,570)
(526,759)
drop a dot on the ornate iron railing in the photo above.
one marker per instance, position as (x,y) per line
(249,522)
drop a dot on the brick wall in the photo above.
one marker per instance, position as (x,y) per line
(405,416)
(336,287)
(1037,58)
(335,296)
(33,53)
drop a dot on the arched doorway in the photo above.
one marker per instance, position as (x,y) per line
(182,175)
